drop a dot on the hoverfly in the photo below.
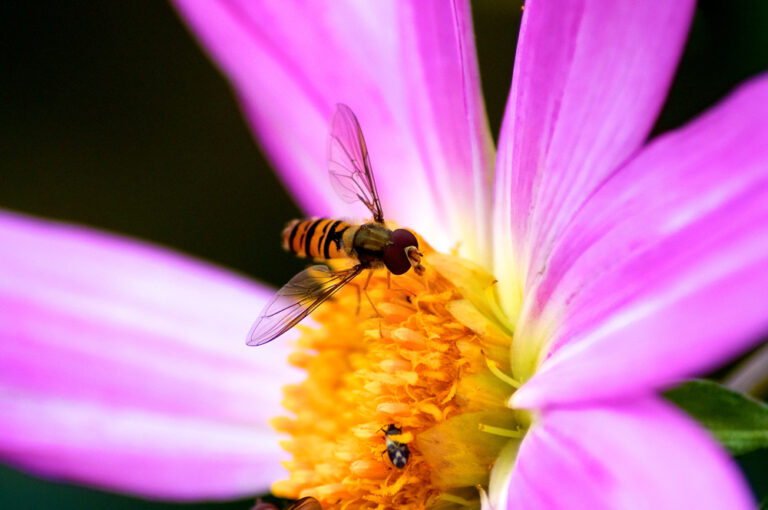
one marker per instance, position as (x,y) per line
(371,244)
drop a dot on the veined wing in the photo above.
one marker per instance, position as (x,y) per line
(297,299)
(348,163)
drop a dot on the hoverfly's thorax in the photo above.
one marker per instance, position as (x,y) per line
(369,243)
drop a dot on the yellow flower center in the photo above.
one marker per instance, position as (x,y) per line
(431,360)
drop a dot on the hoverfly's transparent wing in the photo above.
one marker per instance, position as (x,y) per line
(297,299)
(348,163)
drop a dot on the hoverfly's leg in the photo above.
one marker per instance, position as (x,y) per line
(389,280)
(365,290)
(368,280)
(359,297)
(357,288)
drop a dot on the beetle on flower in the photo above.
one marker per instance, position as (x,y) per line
(571,276)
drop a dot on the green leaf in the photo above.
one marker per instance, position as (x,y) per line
(737,421)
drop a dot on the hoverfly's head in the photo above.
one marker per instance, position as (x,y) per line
(403,253)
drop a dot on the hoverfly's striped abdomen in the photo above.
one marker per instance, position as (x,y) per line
(315,238)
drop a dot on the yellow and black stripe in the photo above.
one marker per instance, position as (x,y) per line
(316,238)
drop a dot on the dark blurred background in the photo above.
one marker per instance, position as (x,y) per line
(111,116)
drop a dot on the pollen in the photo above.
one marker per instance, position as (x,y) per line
(413,374)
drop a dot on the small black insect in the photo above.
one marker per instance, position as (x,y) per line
(302,504)
(398,452)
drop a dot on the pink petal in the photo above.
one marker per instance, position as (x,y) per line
(124,366)
(639,455)
(663,273)
(590,77)
(409,72)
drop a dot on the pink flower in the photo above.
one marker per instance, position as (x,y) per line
(624,266)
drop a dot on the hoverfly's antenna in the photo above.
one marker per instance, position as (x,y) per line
(414,257)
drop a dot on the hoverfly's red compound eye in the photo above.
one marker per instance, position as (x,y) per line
(396,256)
(404,238)
(396,259)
